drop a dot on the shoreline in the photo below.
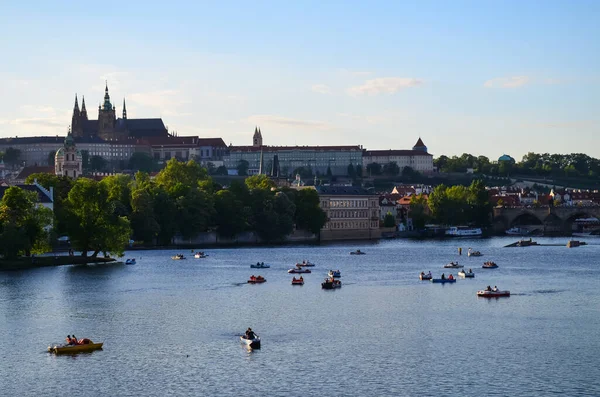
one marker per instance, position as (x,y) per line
(24,263)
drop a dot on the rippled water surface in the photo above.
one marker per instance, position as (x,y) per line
(170,327)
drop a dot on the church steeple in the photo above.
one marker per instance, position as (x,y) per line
(107,105)
(257,138)
(83,110)
(76,107)
(124,110)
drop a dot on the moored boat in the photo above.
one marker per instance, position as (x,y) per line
(331,283)
(489,265)
(465,274)
(260,266)
(492,294)
(299,270)
(130,261)
(334,274)
(298,281)
(253,343)
(79,348)
(463,231)
(424,276)
(256,279)
(453,265)
(516,231)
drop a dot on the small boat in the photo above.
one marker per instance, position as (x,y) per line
(443,280)
(489,265)
(86,346)
(465,274)
(200,255)
(331,283)
(251,343)
(453,265)
(575,243)
(260,266)
(298,281)
(178,257)
(305,264)
(357,252)
(526,243)
(299,270)
(130,261)
(492,294)
(334,274)
(474,253)
(256,279)
(424,276)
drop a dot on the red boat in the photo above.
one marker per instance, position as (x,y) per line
(298,281)
(256,279)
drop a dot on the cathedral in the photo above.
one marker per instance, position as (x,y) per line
(109,127)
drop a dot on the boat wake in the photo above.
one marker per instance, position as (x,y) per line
(548,291)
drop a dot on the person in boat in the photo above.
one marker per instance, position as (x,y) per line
(488,288)
(450,277)
(495,289)
(301,279)
(443,276)
(74,340)
(250,334)
(470,271)
(422,273)
(429,274)
(69,340)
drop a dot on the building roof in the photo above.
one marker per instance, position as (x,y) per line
(59,140)
(293,148)
(420,143)
(184,140)
(145,127)
(42,197)
(390,152)
(34,169)
(505,157)
(344,191)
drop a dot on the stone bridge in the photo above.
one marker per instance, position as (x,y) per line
(559,218)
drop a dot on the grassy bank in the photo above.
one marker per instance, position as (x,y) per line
(43,261)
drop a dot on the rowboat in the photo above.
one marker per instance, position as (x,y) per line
(357,252)
(251,343)
(453,265)
(465,274)
(299,270)
(178,257)
(305,264)
(334,274)
(330,283)
(489,265)
(200,255)
(256,279)
(424,276)
(260,266)
(130,261)
(298,281)
(492,294)
(71,349)
(443,280)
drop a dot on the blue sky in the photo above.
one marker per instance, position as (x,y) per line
(466,76)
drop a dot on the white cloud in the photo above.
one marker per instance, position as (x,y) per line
(321,89)
(286,122)
(384,85)
(507,82)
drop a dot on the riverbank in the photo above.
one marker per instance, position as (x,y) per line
(44,261)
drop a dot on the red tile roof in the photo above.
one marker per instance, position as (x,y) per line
(34,169)
(292,148)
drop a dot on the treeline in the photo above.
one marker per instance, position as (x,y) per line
(101,216)
(452,206)
(532,164)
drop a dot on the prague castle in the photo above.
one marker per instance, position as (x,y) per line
(109,127)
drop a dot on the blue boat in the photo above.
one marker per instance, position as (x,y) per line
(443,280)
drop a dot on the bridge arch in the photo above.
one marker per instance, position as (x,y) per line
(526,218)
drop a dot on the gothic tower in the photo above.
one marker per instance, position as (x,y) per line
(257,138)
(83,114)
(106,118)
(124,110)
(76,126)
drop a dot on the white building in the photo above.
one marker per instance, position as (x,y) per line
(68,160)
(418,159)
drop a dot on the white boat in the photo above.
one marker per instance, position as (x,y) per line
(453,265)
(492,294)
(474,253)
(251,343)
(305,264)
(200,255)
(465,274)
(463,231)
(335,274)
(178,257)
(130,261)
(517,231)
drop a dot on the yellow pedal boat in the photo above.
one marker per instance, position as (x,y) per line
(70,349)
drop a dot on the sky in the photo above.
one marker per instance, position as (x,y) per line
(479,77)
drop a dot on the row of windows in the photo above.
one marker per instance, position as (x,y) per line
(348,214)
(352,225)
(346,204)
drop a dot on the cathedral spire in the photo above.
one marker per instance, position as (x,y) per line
(82,103)
(124,110)
(107,105)
(76,107)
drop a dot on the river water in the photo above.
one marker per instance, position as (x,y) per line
(170,327)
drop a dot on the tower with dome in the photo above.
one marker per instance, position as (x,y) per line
(68,160)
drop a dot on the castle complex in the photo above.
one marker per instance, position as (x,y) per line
(109,127)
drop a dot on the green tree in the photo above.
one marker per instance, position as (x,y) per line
(221,170)
(92,222)
(140,161)
(23,224)
(242,167)
(178,177)
(309,215)
(12,157)
(389,220)
(143,223)
(374,169)
(259,182)
(359,171)
(230,214)
(418,211)
(351,171)
(195,211)
(391,169)
(98,163)
(61,186)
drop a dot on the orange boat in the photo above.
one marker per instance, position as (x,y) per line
(256,279)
